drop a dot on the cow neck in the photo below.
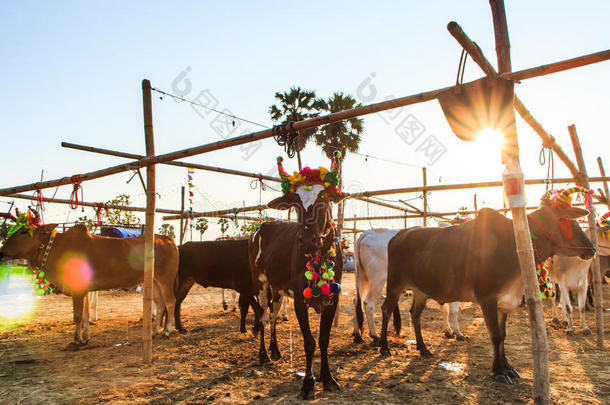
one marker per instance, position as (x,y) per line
(44,249)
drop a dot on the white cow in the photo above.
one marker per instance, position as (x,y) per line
(571,273)
(371,263)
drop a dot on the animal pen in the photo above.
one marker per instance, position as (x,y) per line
(513,180)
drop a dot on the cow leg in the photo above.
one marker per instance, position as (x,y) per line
(263,357)
(419,304)
(182,290)
(566,308)
(326,319)
(512,373)
(258,314)
(556,300)
(373,294)
(283,314)
(78,302)
(582,304)
(275,351)
(454,310)
(388,306)
(234,296)
(307,389)
(243,304)
(397,321)
(448,330)
(169,306)
(490,313)
(362,287)
(93,307)
(85,321)
(224,302)
(158,300)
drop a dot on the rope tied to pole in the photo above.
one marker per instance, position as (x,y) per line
(99,207)
(40,200)
(258,183)
(549,182)
(285,136)
(461,68)
(76,183)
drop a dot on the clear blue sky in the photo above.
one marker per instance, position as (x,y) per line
(72,72)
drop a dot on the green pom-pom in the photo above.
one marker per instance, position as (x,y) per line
(325,276)
(315,291)
(331,273)
(41,274)
(321,282)
(337,154)
(308,275)
(279,159)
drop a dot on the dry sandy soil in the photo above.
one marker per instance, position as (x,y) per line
(215,363)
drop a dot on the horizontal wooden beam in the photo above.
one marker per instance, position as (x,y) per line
(217,213)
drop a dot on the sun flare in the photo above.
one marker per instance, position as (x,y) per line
(490,140)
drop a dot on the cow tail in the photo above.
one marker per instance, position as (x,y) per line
(358,301)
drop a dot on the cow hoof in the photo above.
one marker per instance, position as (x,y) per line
(284,318)
(385,351)
(234,309)
(182,331)
(375,341)
(307,390)
(449,335)
(357,338)
(461,338)
(92,322)
(556,322)
(503,378)
(331,385)
(264,359)
(570,332)
(564,323)
(586,332)
(225,306)
(275,355)
(242,329)
(425,353)
(165,335)
(512,374)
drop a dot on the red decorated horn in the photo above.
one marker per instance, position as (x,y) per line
(36,219)
(280,168)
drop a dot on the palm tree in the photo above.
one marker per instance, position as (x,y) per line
(297,105)
(343,136)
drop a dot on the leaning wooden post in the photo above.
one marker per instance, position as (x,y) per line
(425,191)
(603,174)
(149,229)
(583,181)
(181,214)
(514,191)
(476,209)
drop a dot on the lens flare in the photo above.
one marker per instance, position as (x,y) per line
(17,295)
(75,270)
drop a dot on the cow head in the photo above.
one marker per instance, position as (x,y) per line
(26,237)
(310,192)
(554,229)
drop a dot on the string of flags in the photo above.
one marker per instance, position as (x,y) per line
(190,174)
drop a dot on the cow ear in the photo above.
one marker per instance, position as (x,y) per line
(280,203)
(572,213)
(337,198)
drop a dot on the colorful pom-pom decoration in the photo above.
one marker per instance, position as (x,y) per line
(320,275)
(315,291)
(325,289)
(308,275)
(307,293)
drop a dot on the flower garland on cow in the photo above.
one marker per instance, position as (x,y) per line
(319,271)
(603,224)
(561,199)
(30,220)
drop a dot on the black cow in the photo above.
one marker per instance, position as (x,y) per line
(222,264)
(477,262)
(280,253)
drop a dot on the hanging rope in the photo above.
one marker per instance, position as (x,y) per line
(99,207)
(550,162)
(40,200)
(461,68)
(74,201)
(258,183)
(287,137)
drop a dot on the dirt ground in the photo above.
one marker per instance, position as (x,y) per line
(214,363)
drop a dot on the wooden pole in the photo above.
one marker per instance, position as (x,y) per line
(149,229)
(513,176)
(425,191)
(218,213)
(476,209)
(603,174)
(595,268)
(182,214)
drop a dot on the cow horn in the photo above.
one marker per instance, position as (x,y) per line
(280,168)
(36,219)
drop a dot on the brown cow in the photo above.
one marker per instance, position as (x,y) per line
(476,262)
(77,262)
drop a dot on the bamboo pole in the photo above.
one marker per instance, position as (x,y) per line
(597,277)
(425,190)
(512,175)
(218,213)
(479,58)
(558,66)
(603,174)
(149,229)
(463,186)
(182,214)
(475,204)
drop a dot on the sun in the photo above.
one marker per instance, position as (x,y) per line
(490,141)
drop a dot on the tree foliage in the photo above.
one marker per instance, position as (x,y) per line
(343,136)
(201,225)
(224,225)
(167,230)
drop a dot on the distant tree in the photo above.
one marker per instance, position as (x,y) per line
(120,217)
(201,225)
(85,220)
(296,105)
(167,230)
(224,225)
